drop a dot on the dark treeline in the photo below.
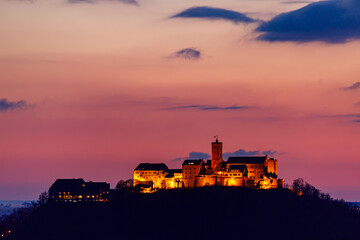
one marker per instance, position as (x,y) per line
(202,213)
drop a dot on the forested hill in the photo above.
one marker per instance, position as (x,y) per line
(203,213)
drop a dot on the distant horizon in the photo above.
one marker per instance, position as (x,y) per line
(36,199)
(92,88)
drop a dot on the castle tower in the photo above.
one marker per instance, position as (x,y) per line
(216,155)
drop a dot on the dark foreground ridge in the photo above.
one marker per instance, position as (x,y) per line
(189,214)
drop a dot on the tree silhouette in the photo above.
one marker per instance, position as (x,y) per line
(43,198)
(298,186)
(120,184)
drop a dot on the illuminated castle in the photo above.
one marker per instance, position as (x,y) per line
(249,171)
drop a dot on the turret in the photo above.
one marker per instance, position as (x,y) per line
(216,155)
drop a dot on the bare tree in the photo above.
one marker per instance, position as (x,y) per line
(43,198)
(298,185)
(120,184)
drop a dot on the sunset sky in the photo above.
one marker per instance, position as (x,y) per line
(91,88)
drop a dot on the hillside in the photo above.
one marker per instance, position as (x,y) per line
(204,213)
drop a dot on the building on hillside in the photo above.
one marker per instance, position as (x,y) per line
(245,171)
(191,169)
(151,176)
(77,190)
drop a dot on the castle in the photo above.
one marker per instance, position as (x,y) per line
(249,171)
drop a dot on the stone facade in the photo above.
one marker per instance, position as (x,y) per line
(245,171)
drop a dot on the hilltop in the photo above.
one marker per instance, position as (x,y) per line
(201,213)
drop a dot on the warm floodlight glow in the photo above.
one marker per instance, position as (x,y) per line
(246,171)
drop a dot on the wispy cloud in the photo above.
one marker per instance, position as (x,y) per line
(243,153)
(354,117)
(214,14)
(159,103)
(134,2)
(354,86)
(334,21)
(193,155)
(208,107)
(187,53)
(297,2)
(7,105)
(32,1)
(226,155)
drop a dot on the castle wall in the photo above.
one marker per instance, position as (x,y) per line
(272,166)
(148,176)
(233,181)
(205,180)
(255,171)
(189,182)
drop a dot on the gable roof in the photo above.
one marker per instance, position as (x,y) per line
(242,168)
(247,160)
(192,162)
(97,185)
(151,166)
(68,183)
(78,186)
(170,172)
